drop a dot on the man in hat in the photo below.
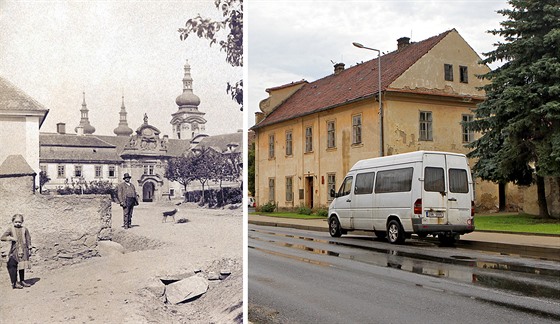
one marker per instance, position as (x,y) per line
(126,194)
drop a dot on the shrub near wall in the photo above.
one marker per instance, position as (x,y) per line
(62,228)
(213,197)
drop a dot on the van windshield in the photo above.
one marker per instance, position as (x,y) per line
(346,187)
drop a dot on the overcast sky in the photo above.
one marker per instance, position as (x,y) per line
(292,40)
(55,50)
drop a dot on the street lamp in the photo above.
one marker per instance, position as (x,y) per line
(358,45)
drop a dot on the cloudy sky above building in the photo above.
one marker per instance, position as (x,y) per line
(55,50)
(292,40)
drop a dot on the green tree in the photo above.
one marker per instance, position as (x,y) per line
(251,169)
(520,119)
(228,33)
(205,165)
(179,169)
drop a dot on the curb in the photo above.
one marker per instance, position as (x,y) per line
(539,252)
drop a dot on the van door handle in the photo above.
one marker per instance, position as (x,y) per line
(452,199)
(348,200)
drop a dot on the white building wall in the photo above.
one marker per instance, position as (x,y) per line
(13,139)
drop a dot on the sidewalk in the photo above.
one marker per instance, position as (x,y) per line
(539,246)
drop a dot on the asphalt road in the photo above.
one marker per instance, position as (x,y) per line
(300,276)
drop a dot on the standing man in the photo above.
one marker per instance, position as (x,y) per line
(126,194)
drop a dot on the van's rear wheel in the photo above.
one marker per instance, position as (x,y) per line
(334,227)
(395,232)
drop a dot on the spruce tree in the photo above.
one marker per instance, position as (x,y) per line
(520,119)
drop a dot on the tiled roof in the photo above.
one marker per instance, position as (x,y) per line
(220,142)
(15,165)
(14,99)
(354,83)
(68,154)
(72,140)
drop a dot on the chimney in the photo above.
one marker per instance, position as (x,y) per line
(61,128)
(402,43)
(338,67)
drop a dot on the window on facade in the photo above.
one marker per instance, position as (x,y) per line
(43,169)
(271,193)
(172,192)
(397,180)
(346,187)
(356,129)
(61,171)
(448,70)
(463,74)
(364,183)
(458,181)
(331,135)
(308,139)
(289,189)
(98,171)
(468,135)
(289,143)
(426,126)
(331,185)
(112,171)
(434,180)
(271,146)
(149,169)
(77,171)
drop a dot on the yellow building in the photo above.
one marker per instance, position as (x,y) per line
(309,134)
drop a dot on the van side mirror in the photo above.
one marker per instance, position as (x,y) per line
(333,194)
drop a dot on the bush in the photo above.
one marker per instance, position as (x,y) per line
(303,210)
(215,197)
(322,212)
(269,207)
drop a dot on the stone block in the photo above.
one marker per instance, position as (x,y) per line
(108,248)
(186,289)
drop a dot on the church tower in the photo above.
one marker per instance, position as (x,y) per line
(123,129)
(84,128)
(188,122)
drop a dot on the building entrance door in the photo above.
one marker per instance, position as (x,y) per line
(148,192)
(309,192)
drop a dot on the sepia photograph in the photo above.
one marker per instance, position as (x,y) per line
(121,161)
(402,161)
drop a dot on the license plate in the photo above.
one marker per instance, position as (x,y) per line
(436,214)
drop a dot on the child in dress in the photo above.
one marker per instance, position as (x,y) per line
(18,257)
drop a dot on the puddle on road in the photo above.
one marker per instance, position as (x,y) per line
(436,266)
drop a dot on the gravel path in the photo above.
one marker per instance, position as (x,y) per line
(123,288)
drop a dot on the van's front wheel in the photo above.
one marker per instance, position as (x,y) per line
(395,232)
(334,227)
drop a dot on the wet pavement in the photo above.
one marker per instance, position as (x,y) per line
(530,286)
(534,246)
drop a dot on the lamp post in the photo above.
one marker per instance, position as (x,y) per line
(358,45)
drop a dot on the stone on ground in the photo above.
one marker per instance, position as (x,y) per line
(186,289)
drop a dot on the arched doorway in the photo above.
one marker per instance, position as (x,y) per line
(148,191)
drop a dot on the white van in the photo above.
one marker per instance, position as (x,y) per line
(420,192)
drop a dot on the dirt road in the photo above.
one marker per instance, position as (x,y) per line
(126,288)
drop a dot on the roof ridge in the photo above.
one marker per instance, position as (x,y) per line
(350,84)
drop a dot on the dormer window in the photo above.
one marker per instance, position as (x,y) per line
(448,71)
(464,75)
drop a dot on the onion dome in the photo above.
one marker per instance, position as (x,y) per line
(123,129)
(85,126)
(187,99)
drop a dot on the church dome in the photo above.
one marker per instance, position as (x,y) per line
(187,98)
(123,130)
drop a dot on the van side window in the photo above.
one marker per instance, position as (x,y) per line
(458,181)
(434,179)
(346,187)
(364,183)
(397,180)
